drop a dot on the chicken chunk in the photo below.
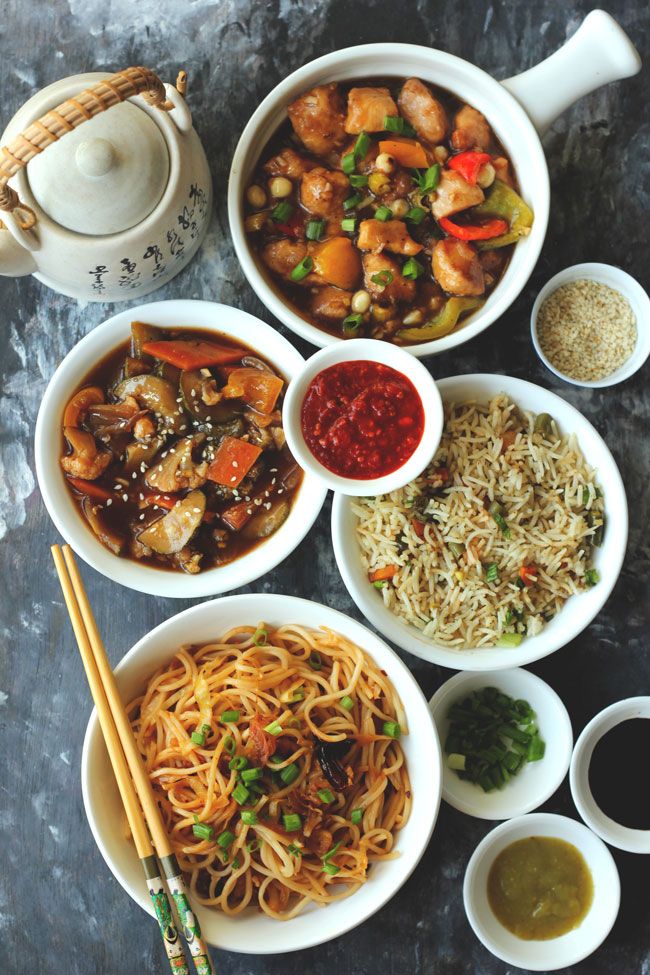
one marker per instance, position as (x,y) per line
(331,303)
(457,268)
(367,109)
(289,163)
(318,119)
(471,130)
(281,256)
(503,171)
(398,288)
(322,192)
(423,111)
(453,194)
(390,235)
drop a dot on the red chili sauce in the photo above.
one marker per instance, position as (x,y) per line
(362,419)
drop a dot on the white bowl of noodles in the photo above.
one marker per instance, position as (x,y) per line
(577,611)
(252,930)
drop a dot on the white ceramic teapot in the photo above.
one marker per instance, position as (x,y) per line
(105,191)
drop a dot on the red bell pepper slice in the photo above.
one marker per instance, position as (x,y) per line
(192,353)
(232,461)
(528,574)
(483,231)
(469,164)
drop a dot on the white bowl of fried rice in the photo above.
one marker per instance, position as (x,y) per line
(508,545)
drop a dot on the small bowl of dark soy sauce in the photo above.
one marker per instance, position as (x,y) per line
(609,778)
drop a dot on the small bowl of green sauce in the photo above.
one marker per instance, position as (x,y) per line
(609,791)
(541,892)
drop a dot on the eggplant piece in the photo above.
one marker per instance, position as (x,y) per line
(191,381)
(172,532)
(157,395)
(105,533)
(329,755)
(142,333)
(265,522)
(138,453)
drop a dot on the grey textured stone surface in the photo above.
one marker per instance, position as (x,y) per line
(60,909)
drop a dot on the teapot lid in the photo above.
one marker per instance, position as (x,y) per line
(105,176)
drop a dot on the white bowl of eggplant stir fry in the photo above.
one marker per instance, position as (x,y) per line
(397,192)
(496,577)
(160,451)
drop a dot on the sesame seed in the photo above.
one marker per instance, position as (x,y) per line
(134,475)
(235,464)
(141,496)
(125,497)
(109,502)
(142,516)
(233,478)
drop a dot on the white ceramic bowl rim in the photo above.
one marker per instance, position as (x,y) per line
(622,837)
(254,933)
(620,281)
(510,122)
(576,614)
(396,358)
(536,781)
(567,949)
(64,513)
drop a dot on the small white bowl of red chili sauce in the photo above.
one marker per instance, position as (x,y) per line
(364,416)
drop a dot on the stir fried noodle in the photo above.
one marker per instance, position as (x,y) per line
(276,762)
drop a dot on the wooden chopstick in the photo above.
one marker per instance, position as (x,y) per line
(133,781)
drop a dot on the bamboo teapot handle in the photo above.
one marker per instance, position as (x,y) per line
(68,116)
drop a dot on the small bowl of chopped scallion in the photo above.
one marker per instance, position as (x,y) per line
(506,739)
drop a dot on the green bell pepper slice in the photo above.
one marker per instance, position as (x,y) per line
(502,201)
(443,323)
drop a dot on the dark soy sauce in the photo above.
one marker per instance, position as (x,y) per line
(618,773)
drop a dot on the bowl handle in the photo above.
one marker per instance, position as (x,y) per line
(599,52)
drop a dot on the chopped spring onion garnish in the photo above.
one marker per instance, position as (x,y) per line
(351,202)
(457,549)
(349,225)
(202,831)
(253,846)
(348,163)
(326,796)
(238,763)
(314,229)
(229,745)
(357,180)
(412,269)
(294,850)
(351,323)
(592,577)
(391,728)
(281,212)
(291,822)
(240,794)
(229,717)
(198,738)
(427,179)
(490,738)
(347,703)
(510,639)
(491,572)
(251,775)
(380,583)
(297,696)
(290,773)
(315,660)
(248,817)
(260,636)
(206,729)
(302,269)
(416,215)
(395,123)
(356,816)
(236,864)
(383,213)
(331,869)
(382,278)
(586,494)
(361,146)
(274,728)
(496,510)
(225,839)
(330,853)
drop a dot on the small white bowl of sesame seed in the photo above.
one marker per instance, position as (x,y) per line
(590,325)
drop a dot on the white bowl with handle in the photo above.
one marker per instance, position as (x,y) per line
(519,109)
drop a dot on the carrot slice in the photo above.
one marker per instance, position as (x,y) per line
(232,461)
(91,490)
(192,353)
(78,405)
(386,572)
(528,574)
(418,527)
(407,152)
(258,389)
